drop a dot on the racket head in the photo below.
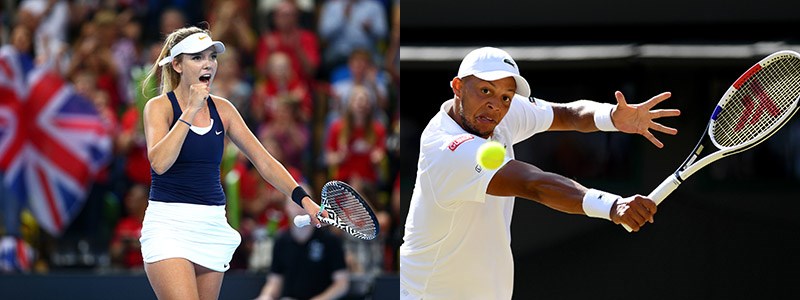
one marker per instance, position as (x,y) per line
(349,211)
(758,103)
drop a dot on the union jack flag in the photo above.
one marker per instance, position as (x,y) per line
(52,141)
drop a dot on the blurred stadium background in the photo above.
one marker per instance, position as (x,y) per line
(727,233)
(73,164)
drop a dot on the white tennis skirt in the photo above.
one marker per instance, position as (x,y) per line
(198,233)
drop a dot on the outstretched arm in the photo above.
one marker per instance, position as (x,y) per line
(520,179)
(637,118)
(270,168)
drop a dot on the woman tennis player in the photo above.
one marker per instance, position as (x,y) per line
(187,243)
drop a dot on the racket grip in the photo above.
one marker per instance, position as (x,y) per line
(661,192)
(302,220)
(664,189)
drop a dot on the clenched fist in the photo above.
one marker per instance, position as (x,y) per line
(198,93)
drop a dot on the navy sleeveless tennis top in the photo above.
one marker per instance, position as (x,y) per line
(194,177)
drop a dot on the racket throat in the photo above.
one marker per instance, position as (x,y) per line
(690,161)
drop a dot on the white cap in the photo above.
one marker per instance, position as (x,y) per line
(194,43)
(491,64)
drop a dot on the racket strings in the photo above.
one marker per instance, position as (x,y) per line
(763,100)
(349,209)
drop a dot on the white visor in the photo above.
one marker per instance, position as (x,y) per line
(491,64)
(194,43)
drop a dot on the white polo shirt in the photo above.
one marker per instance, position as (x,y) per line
(457,242)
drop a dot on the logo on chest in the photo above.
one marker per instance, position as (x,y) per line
(460,140)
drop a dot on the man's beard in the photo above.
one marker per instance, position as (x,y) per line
(468,127)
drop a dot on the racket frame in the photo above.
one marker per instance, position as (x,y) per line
(692,165)
(334,220)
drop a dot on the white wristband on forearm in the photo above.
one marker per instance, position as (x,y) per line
(597,203)
(602,117)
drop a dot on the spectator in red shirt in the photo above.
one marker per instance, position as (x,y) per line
(125,249)
(280,83)
(288,133)
(301,45)
(130,143)
(356,142)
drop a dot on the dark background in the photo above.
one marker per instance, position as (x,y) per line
(728,232)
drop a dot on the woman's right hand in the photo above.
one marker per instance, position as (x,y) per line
(198,93)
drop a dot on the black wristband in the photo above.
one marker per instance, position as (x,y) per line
(187,123)
(298,194)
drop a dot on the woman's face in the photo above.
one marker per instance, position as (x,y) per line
(279,66)
(360,102)
(197,67)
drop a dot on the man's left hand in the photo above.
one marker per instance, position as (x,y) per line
(639,118)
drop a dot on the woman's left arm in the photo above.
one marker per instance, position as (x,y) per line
(270,168)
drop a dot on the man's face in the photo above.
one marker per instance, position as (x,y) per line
(480,105)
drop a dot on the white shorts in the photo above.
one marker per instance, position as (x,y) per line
(198,233)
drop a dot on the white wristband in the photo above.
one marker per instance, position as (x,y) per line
(602,117)
(597,203)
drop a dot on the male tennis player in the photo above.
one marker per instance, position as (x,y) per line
(457,242)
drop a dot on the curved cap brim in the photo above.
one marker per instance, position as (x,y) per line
(523,88)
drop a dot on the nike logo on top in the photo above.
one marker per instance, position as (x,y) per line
(218,132)
(202,37)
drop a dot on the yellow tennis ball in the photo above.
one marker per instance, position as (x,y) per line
(490,155)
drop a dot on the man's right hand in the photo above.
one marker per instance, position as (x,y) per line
(633,211)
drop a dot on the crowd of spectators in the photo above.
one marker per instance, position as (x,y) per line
(316,80)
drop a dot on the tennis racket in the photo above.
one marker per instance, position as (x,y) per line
(756,106)
(347,211)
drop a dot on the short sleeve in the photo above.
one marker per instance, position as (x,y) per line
(527,116)
(452,172)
